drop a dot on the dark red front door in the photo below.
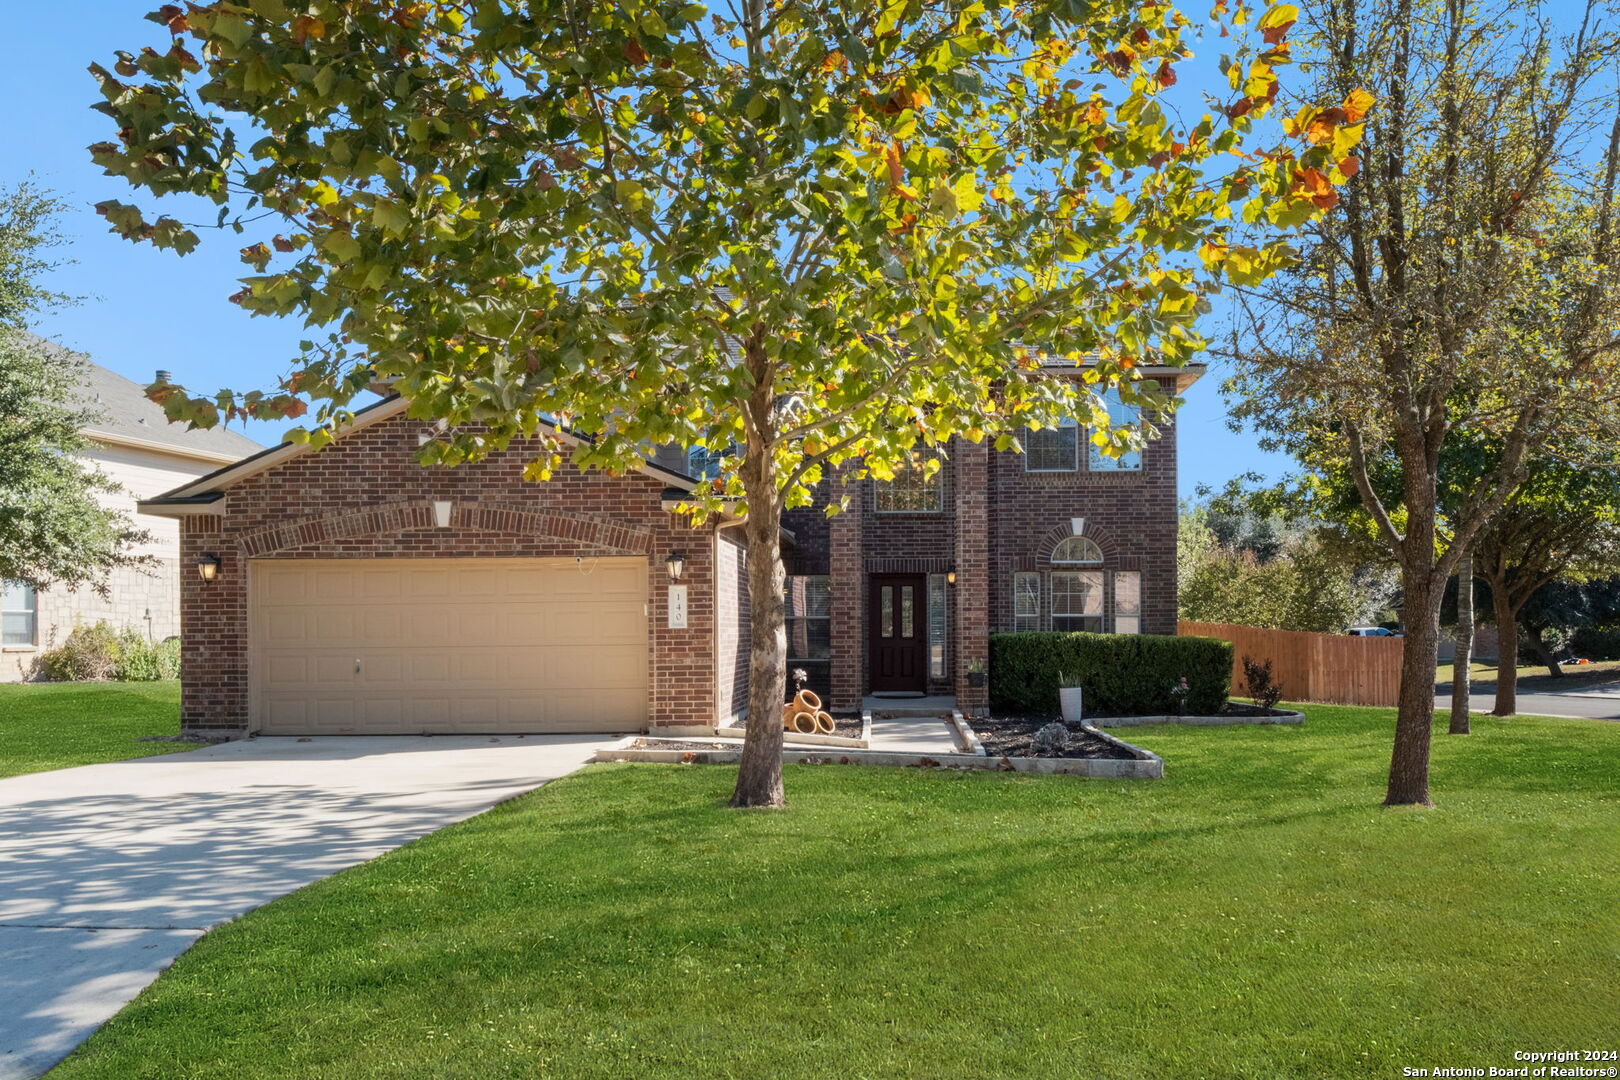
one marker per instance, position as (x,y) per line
(898,632)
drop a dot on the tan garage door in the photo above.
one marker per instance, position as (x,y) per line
(391,646)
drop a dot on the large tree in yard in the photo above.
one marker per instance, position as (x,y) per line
(1466,286)
(54,528)
(806,235)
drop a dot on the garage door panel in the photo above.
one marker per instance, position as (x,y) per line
(448,645)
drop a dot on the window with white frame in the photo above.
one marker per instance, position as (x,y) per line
(939,624)
(913,490)
(1052,449)
(1120,415)
(19,614)
(1127,602)
(1077,600)
(1026,601)
(1077,551)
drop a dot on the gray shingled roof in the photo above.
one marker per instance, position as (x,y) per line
(121,408)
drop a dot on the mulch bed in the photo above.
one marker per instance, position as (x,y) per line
(1010,737)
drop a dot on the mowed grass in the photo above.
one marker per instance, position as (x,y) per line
(59,725)
(1255,914)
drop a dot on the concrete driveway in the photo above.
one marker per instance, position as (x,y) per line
(109,872)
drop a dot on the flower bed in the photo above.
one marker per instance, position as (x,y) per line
(1015,737)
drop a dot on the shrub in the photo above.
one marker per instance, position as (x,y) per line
(1597,642)
(97,653)
(1049,741)
(90,654)
(144,661)
(1262,683)
(1122,674)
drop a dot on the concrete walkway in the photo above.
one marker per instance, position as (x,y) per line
(109,872)
(911,725)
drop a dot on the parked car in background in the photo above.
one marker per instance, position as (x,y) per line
(1373,631)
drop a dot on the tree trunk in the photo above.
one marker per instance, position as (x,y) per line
(1507,647)
(1461,679)
(759,775)
(1414,724)
(1544,652)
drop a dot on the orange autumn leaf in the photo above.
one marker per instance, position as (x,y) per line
(896,172)
(308,26)
(1350,165)
(1356,105)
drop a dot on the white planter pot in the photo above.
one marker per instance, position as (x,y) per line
(1070,697)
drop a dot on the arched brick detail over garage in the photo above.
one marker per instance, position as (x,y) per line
(399,517)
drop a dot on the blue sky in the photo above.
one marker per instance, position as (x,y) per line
(145,309)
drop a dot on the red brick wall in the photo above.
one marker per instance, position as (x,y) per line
(365,497)
(1130,514)
(998,519)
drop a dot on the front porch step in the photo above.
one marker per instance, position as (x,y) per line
(937,705)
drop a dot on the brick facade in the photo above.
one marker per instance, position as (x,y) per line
(365,497)
(997,519)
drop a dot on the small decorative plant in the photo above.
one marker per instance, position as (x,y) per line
(1178,695)
(1049,741)
(799,677)
(1262,683)
(975,673)
(1071,697)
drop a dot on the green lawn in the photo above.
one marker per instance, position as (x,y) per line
(1254,914)
(58,725)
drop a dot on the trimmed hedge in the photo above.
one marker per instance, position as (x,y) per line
(1122,674)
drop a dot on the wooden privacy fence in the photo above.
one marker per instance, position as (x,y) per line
(1333,668)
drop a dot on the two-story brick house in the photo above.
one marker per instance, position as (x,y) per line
(898,595)
(350,590)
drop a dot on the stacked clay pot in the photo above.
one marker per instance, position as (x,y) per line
(805,715)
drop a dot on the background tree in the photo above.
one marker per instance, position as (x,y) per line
(54,530)
(1257,569)
(809,236)
(1436,299)
(1564,521)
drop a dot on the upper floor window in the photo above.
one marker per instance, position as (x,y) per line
(702,463)
(19,614)
(1052,449)
(912,491)
(1077,551)
(1120,415)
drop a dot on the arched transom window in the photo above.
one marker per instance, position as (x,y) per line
(1077,551)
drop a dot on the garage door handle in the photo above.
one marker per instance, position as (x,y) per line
(357,665)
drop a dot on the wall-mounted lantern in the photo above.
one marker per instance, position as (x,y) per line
(950,577)
(208,567)
(676,565)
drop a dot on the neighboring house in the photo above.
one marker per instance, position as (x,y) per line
(134,445)
(350,590)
